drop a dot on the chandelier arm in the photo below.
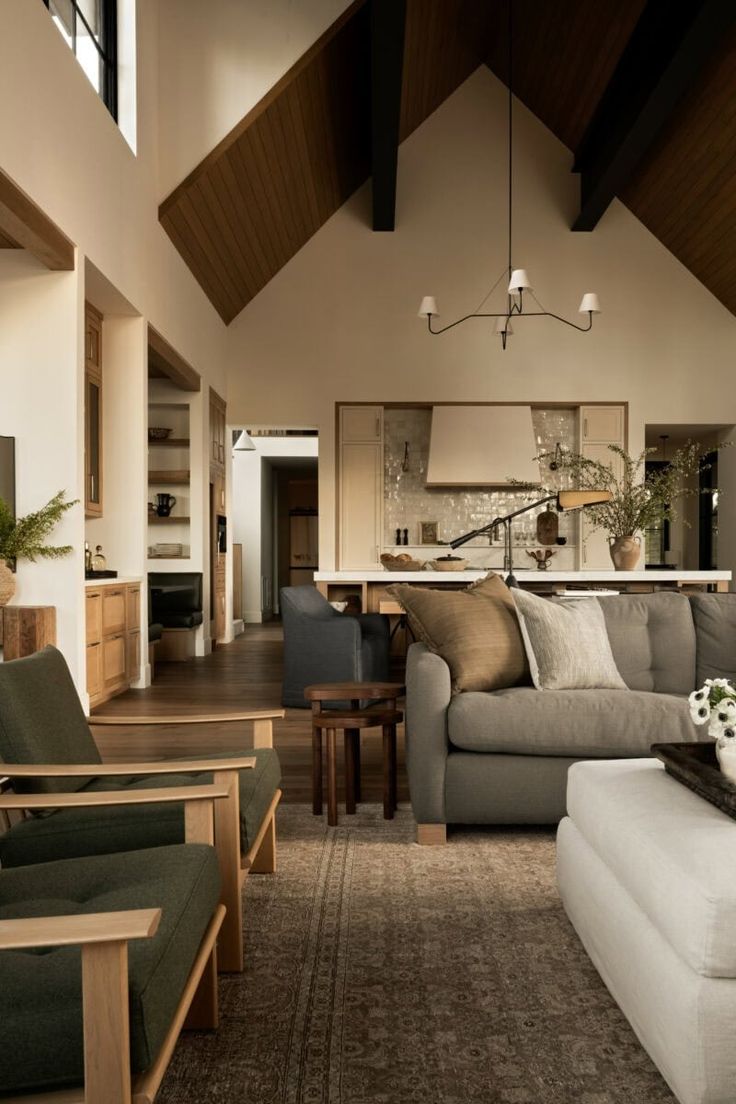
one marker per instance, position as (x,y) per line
(559,318)
(450,325)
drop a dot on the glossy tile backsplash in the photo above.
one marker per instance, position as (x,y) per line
(408,501)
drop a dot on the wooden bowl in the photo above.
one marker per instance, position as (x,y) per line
(403,562)
(454,564)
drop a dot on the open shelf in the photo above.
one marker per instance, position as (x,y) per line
(154,519)
(178,476)
(170,442)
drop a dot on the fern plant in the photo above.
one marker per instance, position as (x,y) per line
(25,538)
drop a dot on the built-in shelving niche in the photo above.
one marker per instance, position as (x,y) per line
(169,472)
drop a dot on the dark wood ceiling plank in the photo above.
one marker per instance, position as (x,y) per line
(244,225)
(181,237)
(207,262)
(221,228)
(23,223)
(388,20)
(300,181)
(664,57)
(256,166)
(294,104)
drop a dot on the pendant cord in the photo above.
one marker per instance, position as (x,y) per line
(511,120)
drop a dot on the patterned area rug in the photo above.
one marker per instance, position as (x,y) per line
(380,972)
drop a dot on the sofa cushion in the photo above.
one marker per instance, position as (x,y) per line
(41,719)
(566,644)
(597,723)
(653,640)
(180,620)
(41,990)
(69,833)
(670,850)
(474,630)
(715,636)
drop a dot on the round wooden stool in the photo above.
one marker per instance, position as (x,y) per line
(352,720)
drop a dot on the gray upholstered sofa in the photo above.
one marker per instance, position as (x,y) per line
(502,757)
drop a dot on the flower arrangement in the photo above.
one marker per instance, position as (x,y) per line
(25,538)
(715,705)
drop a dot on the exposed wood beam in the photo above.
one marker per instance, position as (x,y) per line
(388,23)
(24,225)
(667,51)
(165,361)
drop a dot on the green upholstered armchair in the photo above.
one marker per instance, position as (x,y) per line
(104,959)
(46,746)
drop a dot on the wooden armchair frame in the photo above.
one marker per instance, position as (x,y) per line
(234,866)
(104,939)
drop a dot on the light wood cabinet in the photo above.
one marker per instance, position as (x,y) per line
(361,505)
(94,670)
(92,412)
(600,426)
(217,429)
(359,424)
(113,620)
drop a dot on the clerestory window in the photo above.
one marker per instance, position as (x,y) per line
(89,28)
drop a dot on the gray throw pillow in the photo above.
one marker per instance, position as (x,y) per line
(566,644)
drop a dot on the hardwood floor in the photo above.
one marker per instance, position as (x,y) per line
(243,675)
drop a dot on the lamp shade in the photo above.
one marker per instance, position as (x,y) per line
(503,326)
(428,307)
(589,303)
(573,500)
(244,442)
(519,281)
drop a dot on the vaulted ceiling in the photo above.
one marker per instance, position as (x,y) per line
(644,93)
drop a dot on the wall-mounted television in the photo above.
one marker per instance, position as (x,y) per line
(7,472)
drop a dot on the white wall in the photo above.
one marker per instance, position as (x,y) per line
(217,60)
(338,322)
(252,513)
(41,406)
(61,146)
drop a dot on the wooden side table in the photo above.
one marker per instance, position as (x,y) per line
(27,629)
(352,721)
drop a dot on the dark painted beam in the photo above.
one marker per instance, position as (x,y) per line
(668,49)
(388,21)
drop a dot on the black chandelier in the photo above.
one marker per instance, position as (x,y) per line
(518,280)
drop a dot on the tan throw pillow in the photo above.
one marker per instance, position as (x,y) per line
(567,644)
(475,631)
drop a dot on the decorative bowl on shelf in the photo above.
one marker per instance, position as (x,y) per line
(158,433)
(402,562)
(448,563)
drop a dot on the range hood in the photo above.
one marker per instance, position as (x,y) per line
(481,446)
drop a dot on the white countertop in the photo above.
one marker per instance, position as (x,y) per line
(523,576)
(121,579)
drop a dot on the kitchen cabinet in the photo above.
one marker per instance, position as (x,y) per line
(113,625)
(360,490)
(359,424)
(217,429)
(600,426)
(92,412)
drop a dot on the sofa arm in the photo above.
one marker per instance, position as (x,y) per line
(428,695)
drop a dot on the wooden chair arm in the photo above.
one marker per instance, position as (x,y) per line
(97,798)
(64,931)
(203,718)
(95,770)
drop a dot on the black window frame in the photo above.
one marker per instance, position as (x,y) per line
(106,46)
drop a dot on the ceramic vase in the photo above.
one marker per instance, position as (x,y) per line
(727,760)
(7,584)
(625,552)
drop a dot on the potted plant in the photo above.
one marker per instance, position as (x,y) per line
(24,539)
(636,503)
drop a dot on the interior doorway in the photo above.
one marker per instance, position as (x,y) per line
(296,523)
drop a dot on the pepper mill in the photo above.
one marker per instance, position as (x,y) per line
(398,536)
(406,536)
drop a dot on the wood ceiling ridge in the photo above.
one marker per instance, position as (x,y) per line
(263,104)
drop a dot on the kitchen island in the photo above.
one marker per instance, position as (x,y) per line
(371,585)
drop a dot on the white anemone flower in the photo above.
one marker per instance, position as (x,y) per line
(698,697)
(725,711)
(700,714)
(727,737)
